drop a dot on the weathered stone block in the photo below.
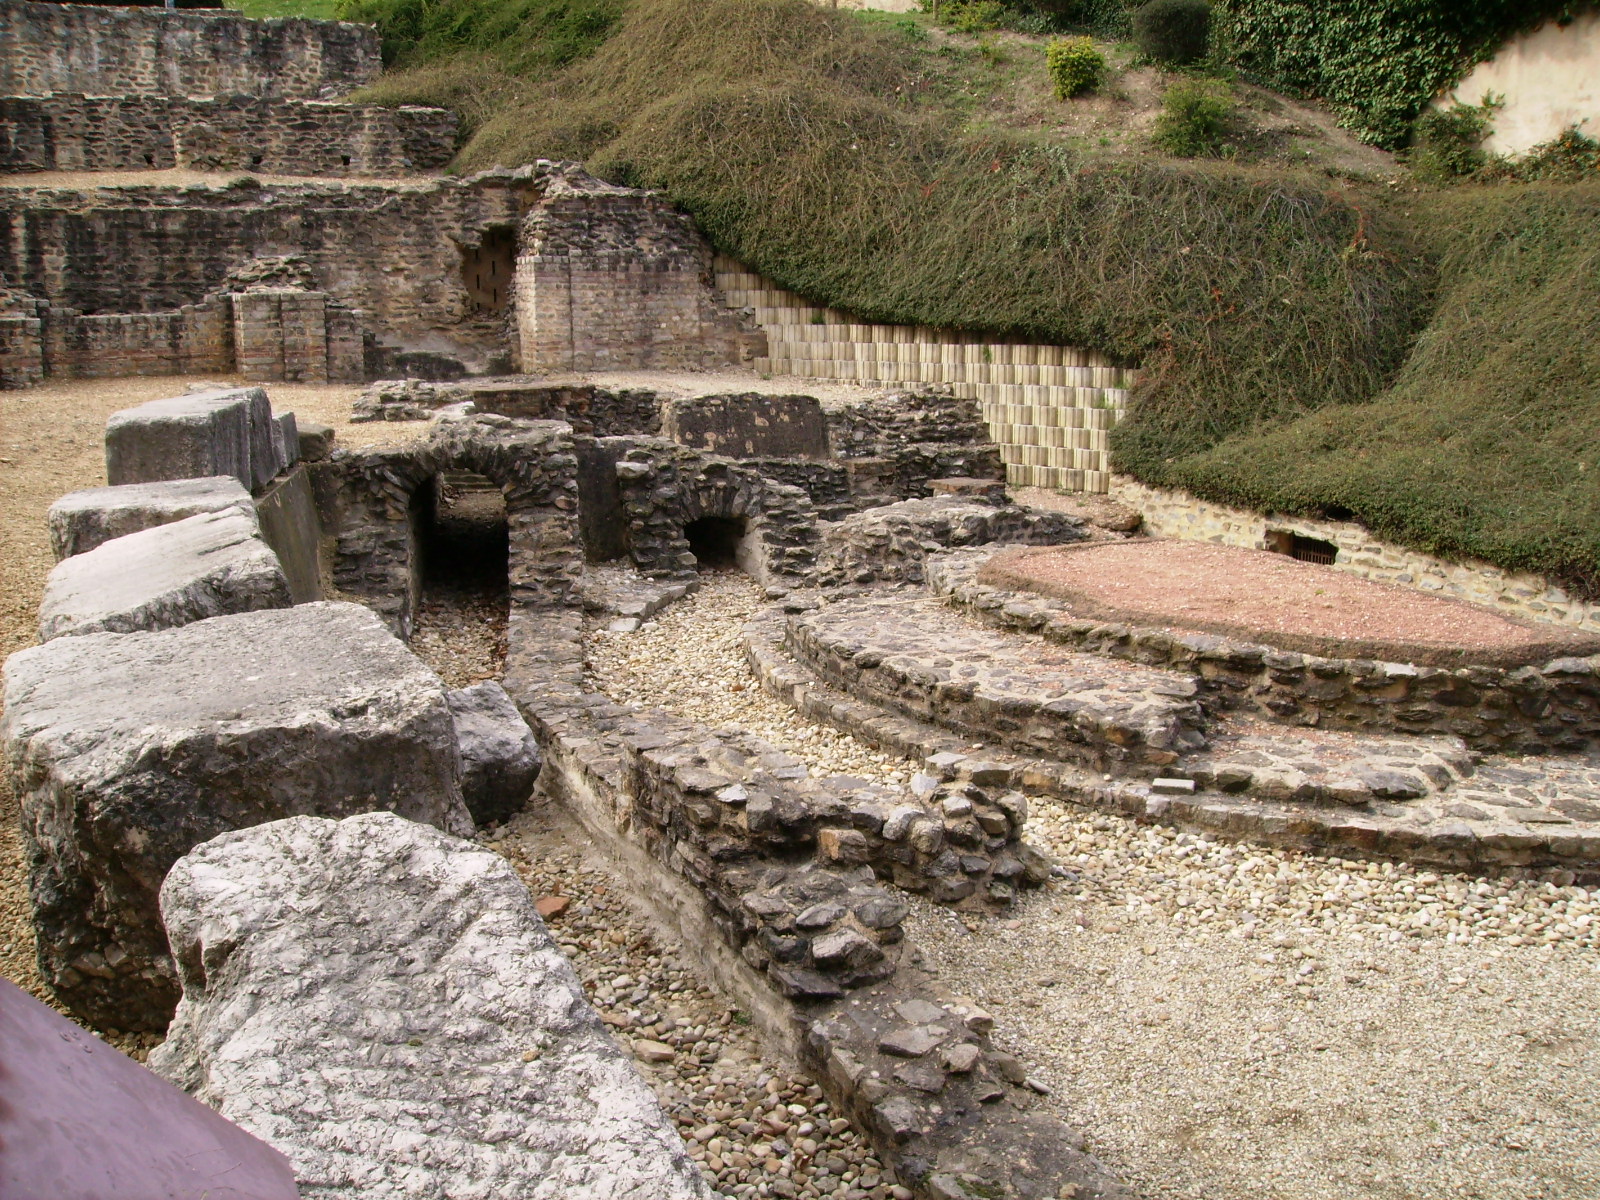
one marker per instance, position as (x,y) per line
(382,1002)
(499,757)
(203,566)
(81,521)
(227,432)
(126,750)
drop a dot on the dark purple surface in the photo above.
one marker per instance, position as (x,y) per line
(81,1121)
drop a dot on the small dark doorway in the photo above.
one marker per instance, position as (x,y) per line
(459,576)
(1305,549)
(462,537)
(716,541)
(487,268)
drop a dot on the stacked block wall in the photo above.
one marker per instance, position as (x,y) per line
(106,51)
(394,252)
(297,337)
(71,132)
(614,279)
(1049,408)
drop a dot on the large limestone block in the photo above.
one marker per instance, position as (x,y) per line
(499,756)
(80,521)
(381,1003)
(202,566)
(227,432)
(127,749)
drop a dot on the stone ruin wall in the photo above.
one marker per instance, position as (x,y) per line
(614,279)
(105,51)
(75,132)
(156,261)
(605,278)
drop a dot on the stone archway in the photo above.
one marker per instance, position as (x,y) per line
(376,550)
(667,490)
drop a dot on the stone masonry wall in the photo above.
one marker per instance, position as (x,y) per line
(289,335)
(373,526)
(1178,514)
(611,278)
(394,252)
(71,132)
(150,51)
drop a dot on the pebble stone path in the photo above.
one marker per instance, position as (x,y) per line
(1234,1021)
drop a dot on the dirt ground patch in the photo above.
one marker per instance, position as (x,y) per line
(1273,598)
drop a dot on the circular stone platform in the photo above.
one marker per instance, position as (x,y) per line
(1280,601)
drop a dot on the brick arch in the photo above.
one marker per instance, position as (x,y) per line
(533,464)
(668,487)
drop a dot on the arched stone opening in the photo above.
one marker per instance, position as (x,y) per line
(462,537)
(719,542)
(487,268)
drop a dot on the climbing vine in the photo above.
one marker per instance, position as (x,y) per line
(1378,62)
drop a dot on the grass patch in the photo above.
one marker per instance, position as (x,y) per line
(1281,317)
(321,10)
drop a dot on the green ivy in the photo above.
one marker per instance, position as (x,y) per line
(1377,62)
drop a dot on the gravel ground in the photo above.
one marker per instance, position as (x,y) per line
(52,442)
(1232,1021)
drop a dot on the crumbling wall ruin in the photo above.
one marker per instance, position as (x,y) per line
(407,258)
(74,132)
(612,278)
(108,51)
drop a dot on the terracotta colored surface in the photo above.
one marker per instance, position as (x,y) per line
(1263,597)
(81,1121)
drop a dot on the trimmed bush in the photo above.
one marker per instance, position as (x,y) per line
(973,16)
(1075,65)
(1173,32)
(1196,116)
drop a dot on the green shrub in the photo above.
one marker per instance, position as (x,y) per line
(1568,158)
(1104,18)
(1174,32)
(522,35)
(1196,117)
(1075,65)
(972,16)
(1447,143)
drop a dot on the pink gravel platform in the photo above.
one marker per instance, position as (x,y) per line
(1271,598)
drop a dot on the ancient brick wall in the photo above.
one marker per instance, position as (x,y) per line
(610,278)
(286,335)
(21,351)
(72,132)
(150,51)
(394,252)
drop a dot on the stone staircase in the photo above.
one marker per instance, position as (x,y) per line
(1049,408)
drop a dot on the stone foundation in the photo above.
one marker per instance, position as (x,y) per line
(1179,514)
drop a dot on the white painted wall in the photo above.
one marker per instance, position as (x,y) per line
(1550,79)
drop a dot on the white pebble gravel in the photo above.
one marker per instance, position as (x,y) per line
(1232,1020)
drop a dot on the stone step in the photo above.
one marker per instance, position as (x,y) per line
(918,657)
